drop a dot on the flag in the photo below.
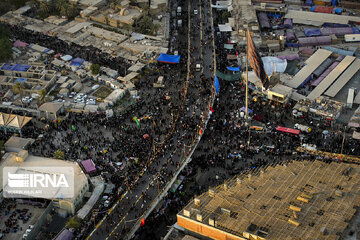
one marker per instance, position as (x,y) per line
(137,121)
(142,223)
(200,131)
(255,61)
(211,109)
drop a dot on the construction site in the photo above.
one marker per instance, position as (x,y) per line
(295,200)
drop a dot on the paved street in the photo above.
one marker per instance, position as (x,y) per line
(128,211)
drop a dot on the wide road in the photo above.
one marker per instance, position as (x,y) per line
(124,217)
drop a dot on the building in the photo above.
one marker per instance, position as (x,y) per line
(17,144)
(51,110)
(24,159)
(322,109)
(13,122)
(33,78)
(296,200)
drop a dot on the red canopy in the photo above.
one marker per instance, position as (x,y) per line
(288,130)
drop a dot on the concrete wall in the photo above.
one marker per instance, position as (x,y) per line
(205,230)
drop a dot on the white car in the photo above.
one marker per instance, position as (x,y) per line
(195,12)
(95,87)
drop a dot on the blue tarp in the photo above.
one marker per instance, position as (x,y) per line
(217,85)
(339,51)
(312,32)
(77,62)
(356,30)
(46,50)
(309,3)
(15,67)
(21,67)
(165,58)
(338,10)
(335,25)
(333,2)
(235,69)
(21,80)
(243,110)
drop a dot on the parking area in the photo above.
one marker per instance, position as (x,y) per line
(18,219)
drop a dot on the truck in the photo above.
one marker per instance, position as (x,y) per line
(302,128)
(178,11)
(350,98)
(179,23)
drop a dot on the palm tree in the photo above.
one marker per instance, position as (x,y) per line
(72,10)
(44,7)
(62,6)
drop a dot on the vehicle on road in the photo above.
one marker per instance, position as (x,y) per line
(198,67)
(302,128)
(195,11)
(178,11)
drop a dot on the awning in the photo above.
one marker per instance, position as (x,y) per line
(288,130)
(19,43)
(165,58)
(235,69)
(243,109)
(88,165)
(225,28)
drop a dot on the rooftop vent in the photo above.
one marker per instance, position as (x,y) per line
(199,217)
(197,201)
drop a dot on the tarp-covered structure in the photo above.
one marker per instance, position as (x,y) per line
(165,58)
(19,43)
(274,64)
(338,31)
(13,122)
(234,69)
(228,77)
(66,58)
(77,62)
(314,41)
(339,51)
(264,20)
(89,166)
(15,67)
(312,32)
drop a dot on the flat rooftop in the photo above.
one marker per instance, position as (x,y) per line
(281,202)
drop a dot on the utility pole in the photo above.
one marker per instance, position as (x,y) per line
(343,141)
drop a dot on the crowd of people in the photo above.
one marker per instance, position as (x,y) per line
(229,147)
(89,53)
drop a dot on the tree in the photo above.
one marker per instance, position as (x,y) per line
(4,31)
(128,29)
(144,25)
(155,29)
(44,7)
(42,94)
(146,9)
(95,69)
(62,6)
(225,15)
(5,49)
(18,88)
(72,10)
(58,154)
(74,222)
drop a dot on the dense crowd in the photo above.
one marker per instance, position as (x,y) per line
(89,53)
